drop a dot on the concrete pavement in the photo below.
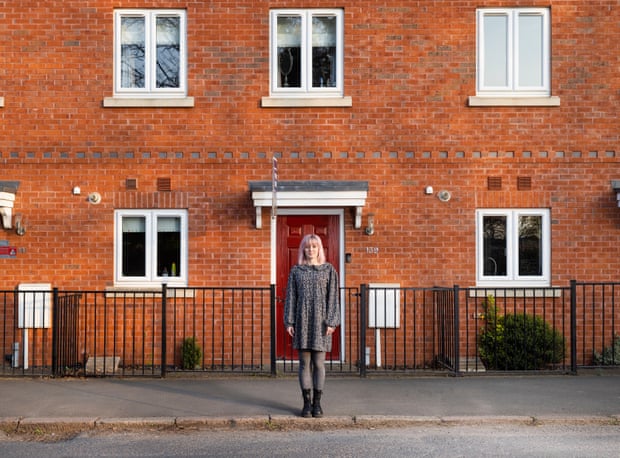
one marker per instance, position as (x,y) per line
(263,402)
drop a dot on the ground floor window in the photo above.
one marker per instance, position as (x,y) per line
(513,247)
(151,247)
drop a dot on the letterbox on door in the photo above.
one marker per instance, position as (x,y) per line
(34,305)
(384,305)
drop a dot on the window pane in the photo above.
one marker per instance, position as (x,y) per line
(134,240)
(289,51)
(168,246)
(168,51)
(324,51)
(495,50)
(494,250)
(530,50)
(530,246)
(132,52)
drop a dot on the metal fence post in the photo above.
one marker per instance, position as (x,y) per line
(55,330)
(272,311)
(457,355)
(573,326)
(164,294)
(362,331)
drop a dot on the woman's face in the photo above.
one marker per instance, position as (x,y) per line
(311,251)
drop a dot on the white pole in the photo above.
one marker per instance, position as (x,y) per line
(25,348)
(378,346)
(273,249)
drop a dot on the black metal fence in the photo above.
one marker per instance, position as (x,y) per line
(385,330)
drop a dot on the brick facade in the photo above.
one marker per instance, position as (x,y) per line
(409,68)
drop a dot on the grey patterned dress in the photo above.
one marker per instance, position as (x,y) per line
(312,305)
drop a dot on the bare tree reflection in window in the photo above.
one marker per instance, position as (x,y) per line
(132,52)
(168,52)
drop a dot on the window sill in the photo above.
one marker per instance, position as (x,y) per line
(132,102)
(488,101)
(291,102)
(148,291)
(515,291)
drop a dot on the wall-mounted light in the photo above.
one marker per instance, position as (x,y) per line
(20,224)
(94,198)
(370,229)
(444,195)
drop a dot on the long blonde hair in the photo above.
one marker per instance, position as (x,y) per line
(301,256)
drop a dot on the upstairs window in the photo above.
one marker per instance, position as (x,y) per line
(151,247)
(513,52)
(307,53)
(150,53)
(513,247)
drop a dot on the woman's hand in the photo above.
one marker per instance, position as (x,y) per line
(329,331)
(290,330)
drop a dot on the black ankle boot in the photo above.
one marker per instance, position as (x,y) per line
(307,409)
(317,412)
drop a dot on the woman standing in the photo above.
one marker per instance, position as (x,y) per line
(311,315)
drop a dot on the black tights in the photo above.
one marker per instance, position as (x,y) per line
(311,369)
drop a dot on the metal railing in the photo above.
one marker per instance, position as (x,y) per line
(385,330)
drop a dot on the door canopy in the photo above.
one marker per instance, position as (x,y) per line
(315,194)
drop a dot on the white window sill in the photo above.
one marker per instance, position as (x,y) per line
(1,102)
(130,102)
(148,291)
(275,102)
(490,101)
(515,291)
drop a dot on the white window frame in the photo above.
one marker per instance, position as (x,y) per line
(151,277)
(306,89)
(512,277)
(150,91)
(513,88)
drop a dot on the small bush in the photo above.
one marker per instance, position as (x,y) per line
(519,342)
(191,354)
(610,355)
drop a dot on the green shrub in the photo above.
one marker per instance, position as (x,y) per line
(191,354)
(610,355)
(518,342)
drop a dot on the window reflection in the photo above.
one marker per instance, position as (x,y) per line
(168,52)
(530,246)
(132,52)
(495,245)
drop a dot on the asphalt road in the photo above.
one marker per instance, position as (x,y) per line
(506,440)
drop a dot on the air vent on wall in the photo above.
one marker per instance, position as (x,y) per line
(524,183)
(494,183)
(131,184)
(163,184)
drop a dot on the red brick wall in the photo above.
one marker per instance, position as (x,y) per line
(409,67)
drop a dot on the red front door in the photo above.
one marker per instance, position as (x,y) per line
(291,229)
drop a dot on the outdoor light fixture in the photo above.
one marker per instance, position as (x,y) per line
(444,196)
(94,198)
(20,224)
(370,229)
